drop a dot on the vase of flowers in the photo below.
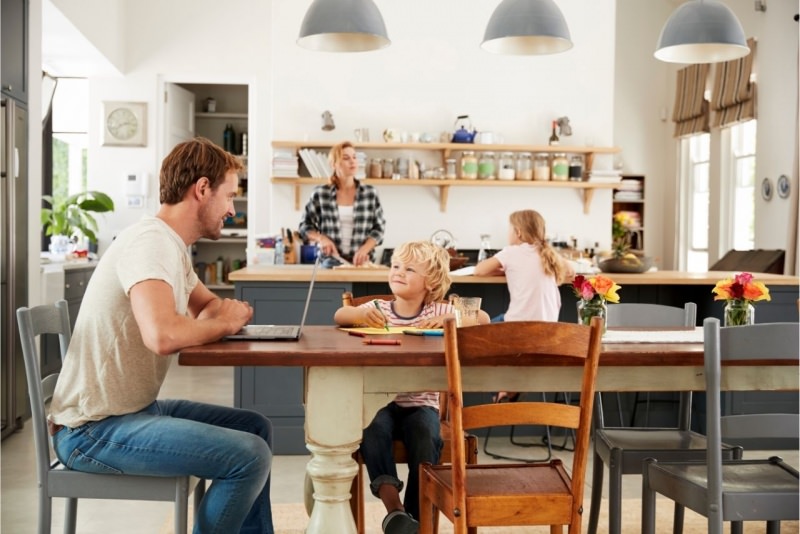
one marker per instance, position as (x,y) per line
(739,293)
(593,293)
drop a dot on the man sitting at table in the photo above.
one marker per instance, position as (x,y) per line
(143,304)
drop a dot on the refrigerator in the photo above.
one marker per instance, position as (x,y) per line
(13,268)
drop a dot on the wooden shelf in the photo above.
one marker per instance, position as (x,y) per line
(586,189)
(233,116)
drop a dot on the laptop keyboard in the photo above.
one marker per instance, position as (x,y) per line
(272,330)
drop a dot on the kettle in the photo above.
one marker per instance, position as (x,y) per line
(463,133)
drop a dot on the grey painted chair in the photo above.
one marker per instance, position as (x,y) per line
(55,480)
(623,449)
(741,490)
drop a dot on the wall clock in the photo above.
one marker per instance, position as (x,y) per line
(124,124)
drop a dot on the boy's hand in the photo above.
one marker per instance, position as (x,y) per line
(373,318)
(434,322)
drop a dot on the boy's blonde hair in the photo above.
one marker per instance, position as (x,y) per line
(436,262)
(529,224)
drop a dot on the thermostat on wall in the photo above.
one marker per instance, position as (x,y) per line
(136,184)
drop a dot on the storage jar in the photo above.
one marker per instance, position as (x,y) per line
(375,168)
(559,170)
(576,168)
(541,167)
(505,167)
(388,167)
(469,165)
(524,166)
(487,168)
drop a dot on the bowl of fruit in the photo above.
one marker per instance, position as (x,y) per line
(628,263)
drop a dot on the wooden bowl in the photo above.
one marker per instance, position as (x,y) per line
(639,264)
(457,262)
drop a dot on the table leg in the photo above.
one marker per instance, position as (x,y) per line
(334,407)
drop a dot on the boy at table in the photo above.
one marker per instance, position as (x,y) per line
(419,278)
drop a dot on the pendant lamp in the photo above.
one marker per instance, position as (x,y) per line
(527,27)
(702,31)
(343,26)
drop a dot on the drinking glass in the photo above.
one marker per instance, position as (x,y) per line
(466,310)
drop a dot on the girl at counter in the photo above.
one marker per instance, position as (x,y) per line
(419,278)
(344,216)
(533,273)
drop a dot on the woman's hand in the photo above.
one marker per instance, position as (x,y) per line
(326,246)
(361,256)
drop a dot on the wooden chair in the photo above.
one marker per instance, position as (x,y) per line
(513,494)
(400,453)
(735,490)
(623,449)
(54,479)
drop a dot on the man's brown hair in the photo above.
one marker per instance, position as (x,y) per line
(191,160)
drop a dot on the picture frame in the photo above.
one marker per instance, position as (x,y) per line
(124,123)
(766,189)
(783,186)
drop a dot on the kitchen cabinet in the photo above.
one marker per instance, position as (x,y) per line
(231,108)
(443,151)
(14,61)
(629,196)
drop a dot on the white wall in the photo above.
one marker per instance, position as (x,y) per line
(610,86)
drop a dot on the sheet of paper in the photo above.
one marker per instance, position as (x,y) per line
(464,271)
(694,335)
(379,331)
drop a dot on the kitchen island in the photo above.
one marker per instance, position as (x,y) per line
(277,294)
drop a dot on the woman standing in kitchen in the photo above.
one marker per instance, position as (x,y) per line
(344,216)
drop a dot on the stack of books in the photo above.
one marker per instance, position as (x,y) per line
(284,164)
(316,163)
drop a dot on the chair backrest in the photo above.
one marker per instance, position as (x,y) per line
(349,300)
(656,315)
(763,342)
(520,344)
(769,341)
(45,319)
(634,314)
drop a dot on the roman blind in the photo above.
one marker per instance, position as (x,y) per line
(691,111)
(734,96)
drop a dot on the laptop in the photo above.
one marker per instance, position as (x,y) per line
(272,332)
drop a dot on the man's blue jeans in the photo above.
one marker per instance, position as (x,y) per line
(229,446)
(419,430)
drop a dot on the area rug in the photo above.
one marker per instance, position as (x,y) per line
(292,519)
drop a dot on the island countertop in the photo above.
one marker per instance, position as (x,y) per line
(302,273)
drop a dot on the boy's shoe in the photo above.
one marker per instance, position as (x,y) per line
(399,522)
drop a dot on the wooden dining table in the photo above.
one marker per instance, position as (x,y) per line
(346,381)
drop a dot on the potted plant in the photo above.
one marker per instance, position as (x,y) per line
(73,215)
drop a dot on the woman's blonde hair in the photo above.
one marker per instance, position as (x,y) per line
(436,262)
(335,157)
(529,225)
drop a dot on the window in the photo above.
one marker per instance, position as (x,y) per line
(70,136)
(742,186)
(696,150)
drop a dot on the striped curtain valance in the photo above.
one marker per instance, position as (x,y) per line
(691,112)
(734,96)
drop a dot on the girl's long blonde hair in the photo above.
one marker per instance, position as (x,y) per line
(335,157)
(437,266)
(529,225)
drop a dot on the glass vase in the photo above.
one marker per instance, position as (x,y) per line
(592,308)
(739,313)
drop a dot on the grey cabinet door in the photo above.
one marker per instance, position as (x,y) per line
(277,392)
(14,60)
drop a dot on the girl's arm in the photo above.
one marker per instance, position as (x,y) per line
(489,267)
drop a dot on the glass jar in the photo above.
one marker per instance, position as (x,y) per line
(524,166)
(505,167)
(450,169)
(576,168)
(487,168)
(739,313)
(595,307)
(388,167)
(559,169)
(375,168)
(469,165)
(541,167)
(401,166)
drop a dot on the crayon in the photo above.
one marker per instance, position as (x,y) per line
(357,334)
(385,324)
